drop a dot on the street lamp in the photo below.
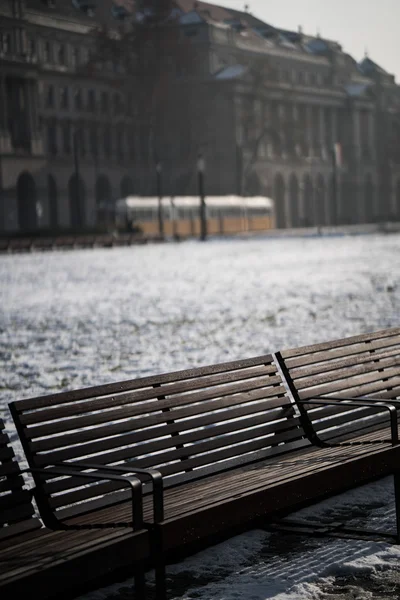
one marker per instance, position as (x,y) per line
(201,167)
(77,191)
(159,194)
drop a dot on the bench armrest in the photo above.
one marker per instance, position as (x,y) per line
(375,404)
(153,474)
(133,483)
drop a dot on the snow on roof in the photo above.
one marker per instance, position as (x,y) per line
(231,72)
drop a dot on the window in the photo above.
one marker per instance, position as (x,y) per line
(117,104)
(5,40)
(81,140)
(31,47)
(107,142)
(51,139)
(128,104)
(64,98)
(61,54)
(104,103)
(120,143)
(92,101)
(84,55)
(50,97)
(66,134)
(47,52)
(131,143)
(75,56)
(78,100)
(93,140)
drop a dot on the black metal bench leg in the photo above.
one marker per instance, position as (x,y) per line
(159,563)
(140,585)
(396,480)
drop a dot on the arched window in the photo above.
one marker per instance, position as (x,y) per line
(294,201)
(279,198)
(77,198)
(26,202)
(53,201)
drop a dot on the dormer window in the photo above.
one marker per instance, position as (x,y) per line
(86,6)
(119,12)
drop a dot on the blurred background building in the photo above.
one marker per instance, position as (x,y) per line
(94,95)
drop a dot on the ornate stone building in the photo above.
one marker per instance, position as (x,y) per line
(59,125)
(264,106)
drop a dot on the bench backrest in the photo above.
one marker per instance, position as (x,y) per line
(365,365)
(188,424)
(16,509)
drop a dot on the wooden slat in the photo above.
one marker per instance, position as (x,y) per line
(105,403)
(366,337)
(347,373)
(15,502)
(163,404)
(372,381)
(124,386)
(341,352)
(347,362)
(161,423)
(158,445)
(243,393)
(8,484)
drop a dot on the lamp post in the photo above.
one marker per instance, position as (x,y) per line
(159,194)
(334,189)
(201,166)
(75,142)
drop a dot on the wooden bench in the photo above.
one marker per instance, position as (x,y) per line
(334,384)
(215,447)
(17,514)
(33,557)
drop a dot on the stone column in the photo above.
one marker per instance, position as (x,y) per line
(371,131)
(322,133)
(5,142)
(309,135)
(356,134)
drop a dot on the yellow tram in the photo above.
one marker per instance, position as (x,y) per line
(181,214)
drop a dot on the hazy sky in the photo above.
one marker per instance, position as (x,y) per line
(356,24)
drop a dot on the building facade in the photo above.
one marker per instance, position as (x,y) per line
(65,136)
(264,106)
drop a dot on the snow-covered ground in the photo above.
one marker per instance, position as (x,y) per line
(80,318)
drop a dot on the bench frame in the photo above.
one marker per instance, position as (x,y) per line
(375,464)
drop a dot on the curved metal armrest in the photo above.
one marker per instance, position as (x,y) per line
(356,402)
(391,401)
(133,483)
(153,474)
